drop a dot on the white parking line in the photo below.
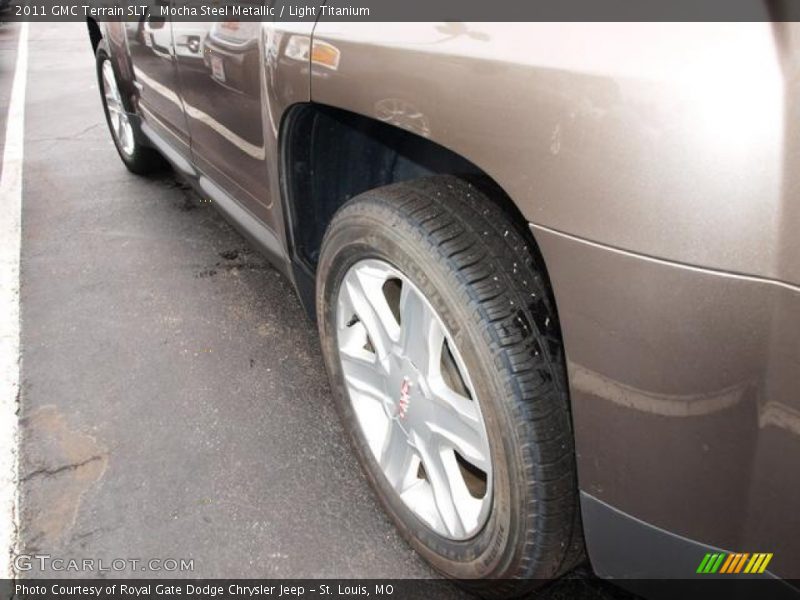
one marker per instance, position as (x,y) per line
(10,221)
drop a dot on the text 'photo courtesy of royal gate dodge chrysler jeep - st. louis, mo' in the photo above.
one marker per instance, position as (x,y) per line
(554,267)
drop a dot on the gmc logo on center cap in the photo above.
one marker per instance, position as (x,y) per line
(405,398)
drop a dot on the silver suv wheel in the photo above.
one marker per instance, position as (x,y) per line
(120,123)
(413,399)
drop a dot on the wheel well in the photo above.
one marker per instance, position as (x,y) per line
(331,155)
(95,35)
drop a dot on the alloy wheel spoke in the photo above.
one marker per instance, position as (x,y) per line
(398,459)
(466,437)
(443,493)
(372,309)
(110,83)
(114,118)
(461,425)
(421,335)
(128,143)
(111,103)
(121,131)
(107,83)
(364,376)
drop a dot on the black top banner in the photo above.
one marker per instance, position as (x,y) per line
(401,10)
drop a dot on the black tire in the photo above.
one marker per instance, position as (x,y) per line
(143,160)
(489,288)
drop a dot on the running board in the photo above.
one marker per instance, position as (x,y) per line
(249,226)
(167,151)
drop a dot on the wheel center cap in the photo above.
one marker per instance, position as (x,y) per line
(404,402)
(404,387)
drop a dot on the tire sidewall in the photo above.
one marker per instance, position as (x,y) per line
(389,237)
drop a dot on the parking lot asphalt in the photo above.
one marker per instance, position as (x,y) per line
(173,400)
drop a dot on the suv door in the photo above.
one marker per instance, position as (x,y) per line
(221,73)
(150,43)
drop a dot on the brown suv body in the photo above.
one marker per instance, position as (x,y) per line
(655,166)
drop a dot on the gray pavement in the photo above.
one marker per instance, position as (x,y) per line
(174,403)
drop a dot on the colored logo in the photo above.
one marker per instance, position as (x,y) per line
(405,398)
(733,563)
